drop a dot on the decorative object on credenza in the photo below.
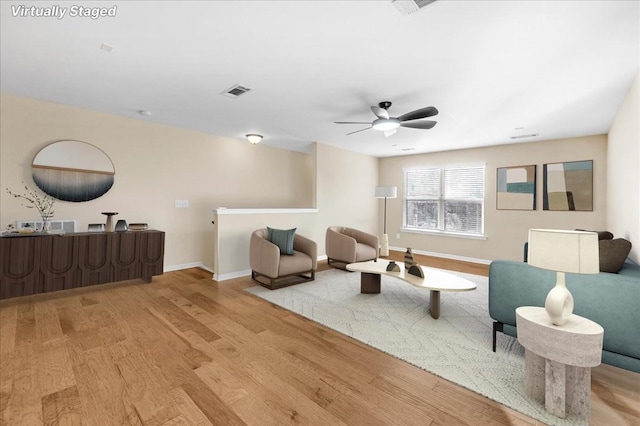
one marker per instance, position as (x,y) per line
(27,229)
(416,270)
(42,203)
(516,188)
(138,227)
(393,266)
(121,225)
(73,171)
(385,192)
(109,225)
(408,259)
(568,186)
(563,251)
(96,227)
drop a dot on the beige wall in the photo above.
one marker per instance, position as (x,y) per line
(155,165)
(505,230)
(623,173)
(346,183)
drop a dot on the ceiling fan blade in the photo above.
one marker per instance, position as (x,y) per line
(352,122)
(420,124)
(380,112)
(361,130)
(419,113)
(388,133)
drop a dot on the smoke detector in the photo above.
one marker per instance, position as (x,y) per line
(407,7)
(235,91)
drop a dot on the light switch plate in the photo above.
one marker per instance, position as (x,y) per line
(181,204)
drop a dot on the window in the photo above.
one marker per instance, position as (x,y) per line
(445,199)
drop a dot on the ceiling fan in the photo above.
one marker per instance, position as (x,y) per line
(389,125)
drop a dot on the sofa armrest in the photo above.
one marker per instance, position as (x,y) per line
(264,256)
(307,246)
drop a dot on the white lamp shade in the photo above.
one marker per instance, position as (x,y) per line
(386,192)
(564,251)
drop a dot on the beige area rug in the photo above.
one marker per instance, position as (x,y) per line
(456,347)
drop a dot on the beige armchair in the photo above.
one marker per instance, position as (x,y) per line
(347,245)
(273,270)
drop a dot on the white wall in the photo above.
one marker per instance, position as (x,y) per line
(505,230)
(623,173)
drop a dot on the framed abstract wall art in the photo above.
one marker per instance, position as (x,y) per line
(73,171)
(568,186)
(516,188)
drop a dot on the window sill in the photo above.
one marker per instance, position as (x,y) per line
(444,233)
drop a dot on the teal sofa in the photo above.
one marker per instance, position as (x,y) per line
(611,300)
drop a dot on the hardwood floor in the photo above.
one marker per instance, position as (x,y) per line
(185,350)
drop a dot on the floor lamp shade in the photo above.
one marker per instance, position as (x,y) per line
(385,192)
(563,251)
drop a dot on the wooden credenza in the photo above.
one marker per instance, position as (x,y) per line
(45,263)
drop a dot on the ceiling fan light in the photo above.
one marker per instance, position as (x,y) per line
(384,124)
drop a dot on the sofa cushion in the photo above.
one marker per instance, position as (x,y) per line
(613,254)
(283,238)
(297,263)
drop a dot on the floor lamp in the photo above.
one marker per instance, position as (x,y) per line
(385,192)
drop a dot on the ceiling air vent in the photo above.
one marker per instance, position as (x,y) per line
(531,135)
(407,7)
(235,91)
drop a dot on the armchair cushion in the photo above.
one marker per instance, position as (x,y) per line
(283,238)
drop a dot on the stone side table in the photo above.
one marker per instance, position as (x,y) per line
(558,360)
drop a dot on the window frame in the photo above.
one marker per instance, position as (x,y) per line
(441,200)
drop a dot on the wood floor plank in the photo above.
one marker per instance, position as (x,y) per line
(47,322)
(186,350)
(62,408)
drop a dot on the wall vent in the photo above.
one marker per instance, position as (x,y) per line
(61,225)
(235,91)
(407,7)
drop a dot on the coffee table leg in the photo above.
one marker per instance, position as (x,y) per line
(434,302)
(369,283)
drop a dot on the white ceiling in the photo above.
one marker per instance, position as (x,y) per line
(494,69)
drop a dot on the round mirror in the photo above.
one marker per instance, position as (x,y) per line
(73,171)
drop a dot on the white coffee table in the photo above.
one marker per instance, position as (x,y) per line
(435,280)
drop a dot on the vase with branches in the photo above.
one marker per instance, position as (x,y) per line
(43,203)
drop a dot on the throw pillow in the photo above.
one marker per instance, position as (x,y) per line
(602,235)
(283,238)
(613,253)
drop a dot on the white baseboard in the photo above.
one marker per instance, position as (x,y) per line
(169,268)
(232,275)
(444,255)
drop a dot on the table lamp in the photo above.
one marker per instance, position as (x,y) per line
(385,192)
(563,251)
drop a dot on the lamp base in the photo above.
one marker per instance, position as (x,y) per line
(384,245)
(559,302)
